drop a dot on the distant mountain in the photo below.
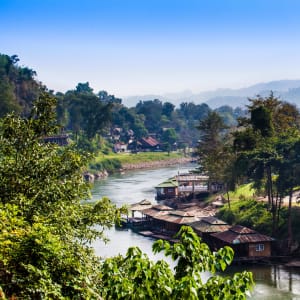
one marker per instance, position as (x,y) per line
(287,90)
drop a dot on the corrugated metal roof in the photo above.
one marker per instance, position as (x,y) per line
(168,183)
(209,228)
(200,212)
(156,210)
(213,221)
(191,177)
(210,224)
(241,235)
(162,207)
(144,204)
(150,141)
(242,230)
(170,218)
(182,213)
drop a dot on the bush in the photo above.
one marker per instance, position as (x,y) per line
(249,213)
(109,165)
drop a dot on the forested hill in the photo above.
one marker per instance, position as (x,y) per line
(18,87)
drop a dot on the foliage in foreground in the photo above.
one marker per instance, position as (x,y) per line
(45,228)
(136,277)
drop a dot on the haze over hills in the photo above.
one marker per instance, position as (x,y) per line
(287,90)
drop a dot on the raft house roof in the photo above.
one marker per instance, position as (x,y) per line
(201,212)
(210,225)
(241,235)
(171,182)
(191,177)
(144,204)
(156,210)
(178,217)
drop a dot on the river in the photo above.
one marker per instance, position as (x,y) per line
(272,282)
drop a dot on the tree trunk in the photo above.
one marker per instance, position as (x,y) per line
(290,233)
(271,198)
(276,221)
(278,210)
(270,188)
(228,199)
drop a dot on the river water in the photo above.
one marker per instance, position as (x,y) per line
(272,282)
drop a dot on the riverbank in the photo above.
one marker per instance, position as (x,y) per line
(105,165)
(156,163)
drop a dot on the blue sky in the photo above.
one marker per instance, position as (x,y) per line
(130,47)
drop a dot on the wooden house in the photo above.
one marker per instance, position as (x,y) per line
(244,241)
(167,189)
(149,144)
(192,183)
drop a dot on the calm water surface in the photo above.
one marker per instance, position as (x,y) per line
(272,282)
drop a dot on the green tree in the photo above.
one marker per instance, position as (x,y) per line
(8,101)
(82,112)
(227,114)
(45,228)
(18,88)
(152,110)
(136,277)
(211,146)
(169,137)
(167,109)
(288,178)
(259,147)
(84,88)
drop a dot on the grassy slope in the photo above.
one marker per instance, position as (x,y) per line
(114,161)
(138,157)
(247,211)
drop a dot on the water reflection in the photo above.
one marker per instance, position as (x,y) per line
(272,281)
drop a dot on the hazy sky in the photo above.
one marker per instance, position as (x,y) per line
(130,47)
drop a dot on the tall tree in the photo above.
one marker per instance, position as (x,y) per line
(152,110)
(87,114)
(45,228)
(210,147)
(260,155)
(169,137)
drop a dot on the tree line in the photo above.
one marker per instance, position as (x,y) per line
(88,115)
